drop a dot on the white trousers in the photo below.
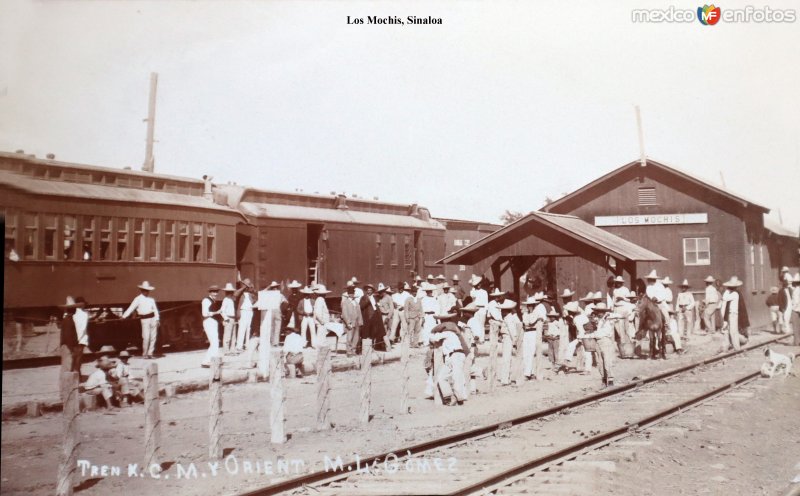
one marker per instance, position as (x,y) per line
(428,323)
(149,335)
(587,355)
(243,337)
(676,338)
(505,360)
(480,332)
(212,333)
(453,371)
(528,351)
(308,329)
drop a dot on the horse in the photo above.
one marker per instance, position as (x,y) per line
(651,321)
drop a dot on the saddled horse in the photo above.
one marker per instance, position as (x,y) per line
(651,321)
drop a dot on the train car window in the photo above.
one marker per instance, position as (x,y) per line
(105,238)
(123,234)
(378,251)
(408,253)
(30,235)
(50,227)
(197,242)
(183,241)
(87,243)
(394,250)
(11,236)
(211,237)
(138,239)
(169,240)
(70,230)
(155,239)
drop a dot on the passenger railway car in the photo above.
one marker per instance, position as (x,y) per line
(99,232)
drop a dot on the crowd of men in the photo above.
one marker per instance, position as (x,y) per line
(432,313)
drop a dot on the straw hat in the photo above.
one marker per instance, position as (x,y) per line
(273,284)
(652,275)
(321,289)
(553,313)
(146,286)
(381,287)
(619,279)
(773,290)
(370,286)
(598,296)
(666,281)
(247,282)
(307,290)
(294,284)
(448,315)
(406,286)
(507,305)
(568,293)
(441,277)
(796,277)
(446,286)
(572,307)
(417,278)
(426,286)
(600,307)
(710,279)
(732,282)
(475,280)
(124,354)
(589,297)
(455,277)
(472,307)
(70,303)
(104,363)
(430,277)
(213,288)
(229,288)
(685,283)
(531,300)
(785,269)
(354,281)
(497,292)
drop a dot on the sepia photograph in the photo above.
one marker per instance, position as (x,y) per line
(368,248)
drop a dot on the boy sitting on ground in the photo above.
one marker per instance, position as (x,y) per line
(97,383)
(293,349)
(125,389)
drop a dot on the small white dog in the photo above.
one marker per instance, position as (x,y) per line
(777,363)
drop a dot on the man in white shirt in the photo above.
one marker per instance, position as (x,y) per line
(730,310)
(579,320)
(623,307)
(81,319)
(322,316)
(305,309)
(210,324)
(447,333)
(603,321)
(228,314)
(293,351)
(398,317)
(533,316)
(430,306)
(246,306)
(711,302)
(269,303)
(796,308)
(684,306)
(97,383)
(447,300)
(659,294)
(146,309)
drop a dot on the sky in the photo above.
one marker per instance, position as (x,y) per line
(502,105)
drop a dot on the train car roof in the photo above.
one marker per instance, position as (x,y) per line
(91,191)
(315,214)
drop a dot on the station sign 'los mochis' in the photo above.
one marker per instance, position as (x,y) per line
(650,219)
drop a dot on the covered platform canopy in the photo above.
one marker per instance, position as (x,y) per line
(518,245)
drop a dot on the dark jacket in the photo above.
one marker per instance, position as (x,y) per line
(784,300)
(69,335)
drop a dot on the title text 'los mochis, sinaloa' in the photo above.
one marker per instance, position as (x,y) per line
(394,20)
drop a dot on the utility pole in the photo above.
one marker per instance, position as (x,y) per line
(149,160)
(641,136)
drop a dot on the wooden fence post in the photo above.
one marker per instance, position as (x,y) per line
(366,379)
(323,388)
(277,398)
(517,366)
(70,444)
(537,359)
(492,373)
(438,361)
(406,373)
(215,417)
(66,360)
(152,421)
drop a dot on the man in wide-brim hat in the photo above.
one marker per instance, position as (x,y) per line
(684,306)
(656,291)
(147,311)
(305,311)
(246,304)
(733,311)
(209,310)
(69,334)
(97,383)
(711,303)
(603,322)
(228,314)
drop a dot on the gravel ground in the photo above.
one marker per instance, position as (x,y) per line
(30,447)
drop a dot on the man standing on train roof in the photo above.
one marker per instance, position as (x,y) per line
(352,318)
(246,305)
(684,307)
(69,336)
(210,324)
(305,309)
(145,307)
(228,314)
(711,302)
(271,302)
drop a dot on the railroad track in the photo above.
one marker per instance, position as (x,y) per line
(504,457)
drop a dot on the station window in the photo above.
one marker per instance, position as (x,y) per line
(105,238)
(123,232)
(87,244)
(211,242)
(393,244)
(11,235)
(408,254)
(70,231)
(50,228)
(29,235)
(378,250)
(155,245)
(197,241)
(183,240)
(696,251)
(138,239)
(169,240)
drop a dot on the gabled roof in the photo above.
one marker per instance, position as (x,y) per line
(586,234)
(678,173)
(779,229)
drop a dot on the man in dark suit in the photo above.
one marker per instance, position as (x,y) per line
(69,338)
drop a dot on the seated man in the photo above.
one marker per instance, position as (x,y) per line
(125,389)
(97,383)
(293,350)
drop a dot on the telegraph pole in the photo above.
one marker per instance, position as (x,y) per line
(149,160)
(641,136)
